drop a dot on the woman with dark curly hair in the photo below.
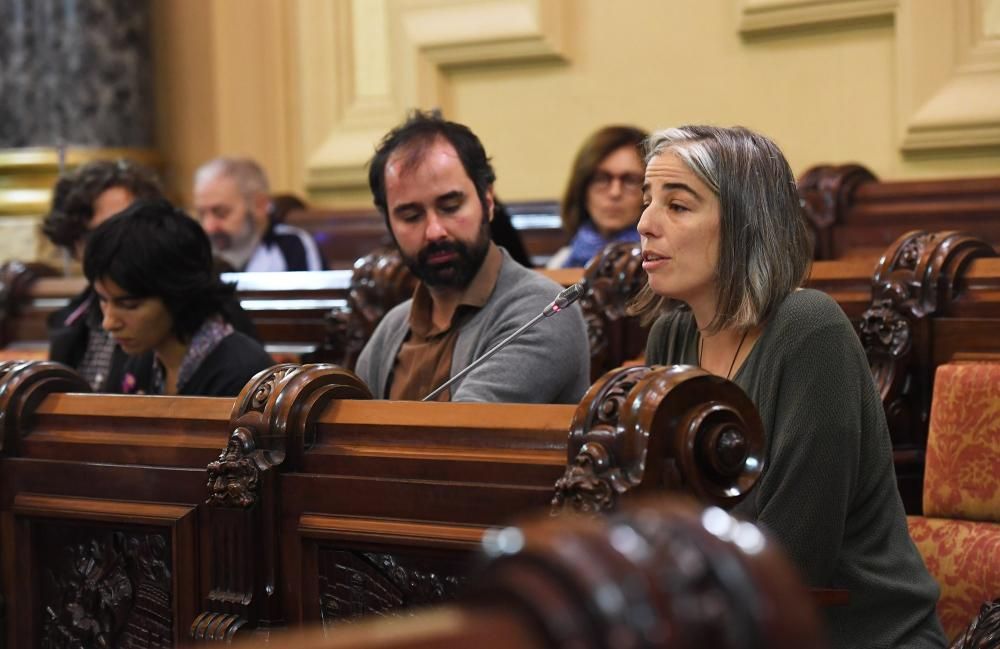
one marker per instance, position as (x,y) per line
(93,193)
(163,303)
(603,198)
(82,200)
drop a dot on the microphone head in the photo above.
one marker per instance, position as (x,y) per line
(566,297)
(570,294)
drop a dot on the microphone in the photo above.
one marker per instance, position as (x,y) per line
(566,297)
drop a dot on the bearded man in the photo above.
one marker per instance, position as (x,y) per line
(231,200)
(432,181)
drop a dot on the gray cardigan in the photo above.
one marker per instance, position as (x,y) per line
(548,363)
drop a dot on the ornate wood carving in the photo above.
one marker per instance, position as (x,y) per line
(355,584)
(380,281)
(15,279)
(23,384)
(612,278)
(680,577)
(105,588)
(827,194)
(984,631)
(917,278)
(232,479)
(678,428)
(272,424)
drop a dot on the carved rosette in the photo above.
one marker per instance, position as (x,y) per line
(676,428)
(664,573)
(23,385)
(827,193)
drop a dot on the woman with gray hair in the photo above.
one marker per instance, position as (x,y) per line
(726,249)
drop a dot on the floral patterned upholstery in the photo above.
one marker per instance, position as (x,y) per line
(959,533)
(964,557)
(962,475)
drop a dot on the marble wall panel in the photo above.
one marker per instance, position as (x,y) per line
(75,72)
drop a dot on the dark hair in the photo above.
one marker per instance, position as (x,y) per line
(764,242)
(592,152)
(414,136)
(282,204)
(74,195)
(153,249)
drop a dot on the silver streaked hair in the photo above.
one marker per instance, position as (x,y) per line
(764,242)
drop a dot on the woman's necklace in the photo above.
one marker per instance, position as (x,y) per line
(701,348)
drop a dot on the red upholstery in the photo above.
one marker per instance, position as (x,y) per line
(959,533)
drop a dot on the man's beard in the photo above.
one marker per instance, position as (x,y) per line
(236,250)
(456,273)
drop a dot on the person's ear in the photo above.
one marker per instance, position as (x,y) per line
(489,203)
(261,204)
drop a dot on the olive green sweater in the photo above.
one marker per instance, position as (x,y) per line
(828,490)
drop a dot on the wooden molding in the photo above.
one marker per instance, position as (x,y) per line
(949,72)
(94,509)
(364,63)
(368,530)
(758,17)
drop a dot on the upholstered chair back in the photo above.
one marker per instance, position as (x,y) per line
(959,532)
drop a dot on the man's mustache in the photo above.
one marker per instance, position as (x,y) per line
(221,241)
(438,248)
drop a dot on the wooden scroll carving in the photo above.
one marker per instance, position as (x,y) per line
(827,193)
(272,426)
(653,428)
(612,278)
(984,631)
(15,279)
(681,578)
(380,281)
(917,278)
(23,385)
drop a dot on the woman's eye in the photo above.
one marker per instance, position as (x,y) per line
(677,207)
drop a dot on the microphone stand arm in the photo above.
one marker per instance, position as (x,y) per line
(497,347)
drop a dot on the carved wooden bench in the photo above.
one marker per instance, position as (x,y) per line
(121,519)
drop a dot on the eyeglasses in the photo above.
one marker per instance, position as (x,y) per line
(603,180)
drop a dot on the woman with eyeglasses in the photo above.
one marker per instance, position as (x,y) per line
(603,198)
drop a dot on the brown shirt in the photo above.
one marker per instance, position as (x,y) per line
(424,359)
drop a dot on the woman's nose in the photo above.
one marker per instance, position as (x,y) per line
(646,225)
(110,321)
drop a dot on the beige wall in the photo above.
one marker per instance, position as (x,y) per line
(307,86)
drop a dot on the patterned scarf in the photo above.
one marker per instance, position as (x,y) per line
(204,341)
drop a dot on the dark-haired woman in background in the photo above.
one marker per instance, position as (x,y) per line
(162,302)
(725,247)
(603,198)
